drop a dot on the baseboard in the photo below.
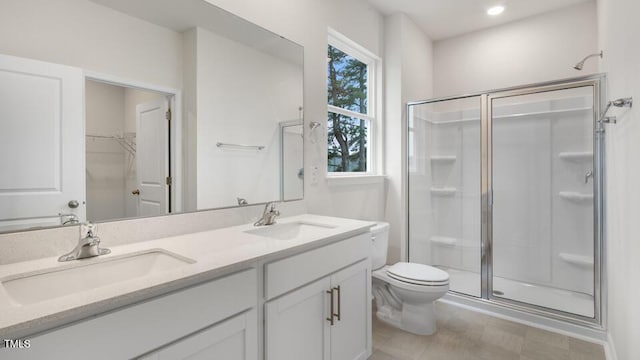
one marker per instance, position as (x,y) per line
(610,349)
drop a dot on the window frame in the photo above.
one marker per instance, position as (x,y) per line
(374,101)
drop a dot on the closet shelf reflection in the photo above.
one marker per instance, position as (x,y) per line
(127,141)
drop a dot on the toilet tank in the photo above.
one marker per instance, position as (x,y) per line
(380,244)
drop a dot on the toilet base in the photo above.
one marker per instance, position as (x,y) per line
(416,319)
(406,306)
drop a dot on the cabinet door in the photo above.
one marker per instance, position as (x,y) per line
(233,339)
(296,325)
(351,334)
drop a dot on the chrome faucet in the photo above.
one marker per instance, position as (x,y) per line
(71,219)
(268,215)
(88,246)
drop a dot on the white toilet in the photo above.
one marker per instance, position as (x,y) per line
(405,292)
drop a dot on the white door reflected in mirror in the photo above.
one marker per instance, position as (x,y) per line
(152,153)
(41,143)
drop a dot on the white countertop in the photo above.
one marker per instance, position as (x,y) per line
(216,252)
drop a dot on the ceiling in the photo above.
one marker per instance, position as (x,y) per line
(441,19)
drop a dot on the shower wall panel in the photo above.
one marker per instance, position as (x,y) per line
(543,193)
(444,188)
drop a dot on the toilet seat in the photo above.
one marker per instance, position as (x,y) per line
(418,274)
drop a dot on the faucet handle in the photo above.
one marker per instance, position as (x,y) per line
(88,229)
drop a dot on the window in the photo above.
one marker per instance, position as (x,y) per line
(351,114)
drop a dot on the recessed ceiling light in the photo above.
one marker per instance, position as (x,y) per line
(496,10)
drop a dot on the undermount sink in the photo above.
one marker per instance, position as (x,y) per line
(290,231)
(34,287)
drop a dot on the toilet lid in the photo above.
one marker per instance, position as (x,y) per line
(418,273)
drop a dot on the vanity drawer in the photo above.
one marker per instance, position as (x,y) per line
(287,274)
(134,330)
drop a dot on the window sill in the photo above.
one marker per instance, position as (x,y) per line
(343,180)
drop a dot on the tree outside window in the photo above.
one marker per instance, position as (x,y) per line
(348,122)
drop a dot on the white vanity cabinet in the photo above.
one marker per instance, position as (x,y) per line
(350,333)
(296,325)
(213,320)
(308,301)
(328,319)
(233,339)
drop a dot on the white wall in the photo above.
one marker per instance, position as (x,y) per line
(105,159)
(619,31)
(306,22)
(540,48)
(408,77)
(246,110)
(190,121)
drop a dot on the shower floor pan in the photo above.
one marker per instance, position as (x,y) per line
(468,282)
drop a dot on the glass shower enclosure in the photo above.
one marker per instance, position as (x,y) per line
(505,194)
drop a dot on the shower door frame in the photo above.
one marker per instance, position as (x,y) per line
(598,82)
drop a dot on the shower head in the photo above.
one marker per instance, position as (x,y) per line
(580,65)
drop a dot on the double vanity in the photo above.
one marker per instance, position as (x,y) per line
(298,289)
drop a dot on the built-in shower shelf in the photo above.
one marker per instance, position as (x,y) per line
(575,196)
(444,191)
(576,156)
(579,260)
(443,158)
(444,240)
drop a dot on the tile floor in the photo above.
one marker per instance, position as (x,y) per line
(467,335)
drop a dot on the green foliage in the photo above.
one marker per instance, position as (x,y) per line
(347,89)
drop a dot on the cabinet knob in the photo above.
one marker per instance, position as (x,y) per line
(136,192)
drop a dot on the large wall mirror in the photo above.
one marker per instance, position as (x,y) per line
(113,109)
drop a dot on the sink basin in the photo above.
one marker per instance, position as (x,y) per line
(31,288)
(290,231)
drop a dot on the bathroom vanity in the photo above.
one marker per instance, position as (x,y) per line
(299,289)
